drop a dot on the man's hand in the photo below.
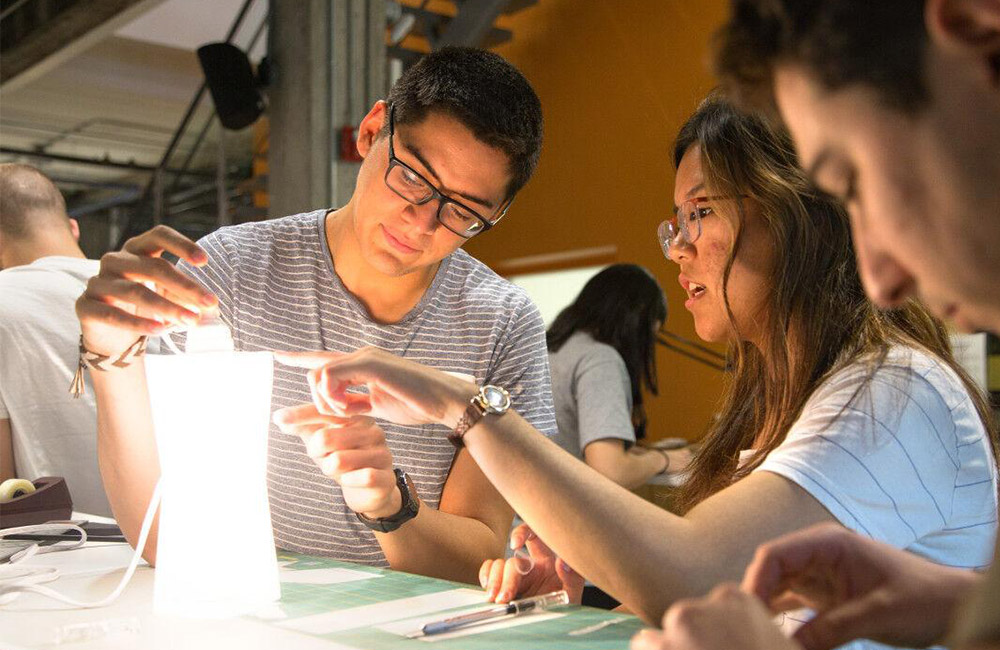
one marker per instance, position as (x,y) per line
(726,619)
(352,451)
(859,588)
(117,307)
(507,579)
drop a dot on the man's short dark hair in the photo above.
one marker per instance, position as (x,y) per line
(482,91)
(878,44)
(29,201)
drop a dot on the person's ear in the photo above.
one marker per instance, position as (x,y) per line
(967,27)
(74,227)
(370,127)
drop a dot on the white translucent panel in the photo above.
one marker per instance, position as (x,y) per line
(215,552)
(553,291)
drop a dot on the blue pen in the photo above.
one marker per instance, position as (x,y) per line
(514,607)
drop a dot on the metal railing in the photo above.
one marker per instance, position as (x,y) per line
(184,194)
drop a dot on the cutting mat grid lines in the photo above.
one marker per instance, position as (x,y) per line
(301,600)
(552,634)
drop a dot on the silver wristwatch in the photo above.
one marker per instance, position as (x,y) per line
(489,399)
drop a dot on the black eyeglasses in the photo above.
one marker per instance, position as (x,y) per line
(414,188)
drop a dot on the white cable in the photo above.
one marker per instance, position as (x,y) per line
(40,529)
(30,581)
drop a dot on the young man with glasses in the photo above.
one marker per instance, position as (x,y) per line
(444,155)
(894,107)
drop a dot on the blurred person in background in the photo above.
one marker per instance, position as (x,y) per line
(43,430)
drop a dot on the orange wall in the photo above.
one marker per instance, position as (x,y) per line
(616,78)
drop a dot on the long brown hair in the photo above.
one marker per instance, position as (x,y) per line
(817,317)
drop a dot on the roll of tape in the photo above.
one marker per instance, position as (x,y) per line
(15,487)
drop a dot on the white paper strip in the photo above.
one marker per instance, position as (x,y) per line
(330,576)
(393,610)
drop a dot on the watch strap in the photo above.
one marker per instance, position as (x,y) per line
(474,412)
(408,509)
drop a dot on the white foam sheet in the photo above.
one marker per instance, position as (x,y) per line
(381,613)
(330,576)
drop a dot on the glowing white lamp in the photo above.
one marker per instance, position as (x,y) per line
(215,553)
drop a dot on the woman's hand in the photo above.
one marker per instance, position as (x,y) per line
(505,580)
(398,390)
(679,459)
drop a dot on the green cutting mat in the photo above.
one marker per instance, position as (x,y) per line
(298,600)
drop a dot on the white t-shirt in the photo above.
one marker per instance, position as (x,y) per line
(53,434)
(906,462)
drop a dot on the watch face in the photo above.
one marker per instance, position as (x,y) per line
(497,399)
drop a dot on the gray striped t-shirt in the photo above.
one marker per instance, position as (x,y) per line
(278,291)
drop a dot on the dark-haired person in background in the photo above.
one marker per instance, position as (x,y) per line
(458,136)
(894,107)
(602,356)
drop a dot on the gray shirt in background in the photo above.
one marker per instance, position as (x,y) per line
(592,393)
(278,290)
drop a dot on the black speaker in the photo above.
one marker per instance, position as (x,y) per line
(230,79)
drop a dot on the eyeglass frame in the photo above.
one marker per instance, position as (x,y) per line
(682,228)
(435,192)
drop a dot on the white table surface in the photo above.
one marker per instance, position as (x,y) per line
(33,621)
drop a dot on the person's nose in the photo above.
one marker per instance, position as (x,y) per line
(423,218)
(886,281)
(680,250)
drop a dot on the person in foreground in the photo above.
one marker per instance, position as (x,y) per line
(459,135)
(835,407)
(894,108)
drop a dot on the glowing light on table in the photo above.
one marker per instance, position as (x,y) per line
(215,553)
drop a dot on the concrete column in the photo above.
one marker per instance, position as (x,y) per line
(298,153)
(329,63)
